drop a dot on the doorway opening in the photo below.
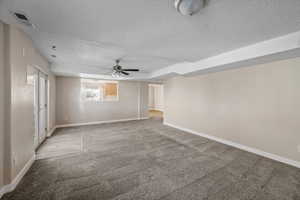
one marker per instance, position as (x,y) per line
(156,101)
(40,107)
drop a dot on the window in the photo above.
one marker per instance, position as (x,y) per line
(99,90)
(110,91)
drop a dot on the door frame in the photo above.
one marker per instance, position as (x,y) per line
(44,93)
(47,99)
(153,86)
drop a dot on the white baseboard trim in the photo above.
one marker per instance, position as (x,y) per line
(240,146)
(49,134)
(100,122)
(143,118)
(10,187)
(2,191)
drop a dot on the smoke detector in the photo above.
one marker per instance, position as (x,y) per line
(22,18)
(189,7)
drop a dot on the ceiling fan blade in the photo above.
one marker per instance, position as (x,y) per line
(131,70)
(125,73)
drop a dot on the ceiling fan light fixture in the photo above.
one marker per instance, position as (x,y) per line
(188,7)
(118,71)
(115,74)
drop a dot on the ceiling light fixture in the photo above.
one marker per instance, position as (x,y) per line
(116,74)
(118,70)
(189,7)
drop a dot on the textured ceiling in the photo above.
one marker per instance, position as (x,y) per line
(148,34)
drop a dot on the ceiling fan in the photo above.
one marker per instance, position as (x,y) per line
(118,70)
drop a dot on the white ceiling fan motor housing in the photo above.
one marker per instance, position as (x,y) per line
(189,7)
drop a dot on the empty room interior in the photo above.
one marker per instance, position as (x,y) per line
(150,100)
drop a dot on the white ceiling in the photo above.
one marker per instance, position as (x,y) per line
(148,34)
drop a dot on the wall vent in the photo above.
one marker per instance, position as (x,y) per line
(22,18)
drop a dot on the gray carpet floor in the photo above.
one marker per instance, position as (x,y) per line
(145,160)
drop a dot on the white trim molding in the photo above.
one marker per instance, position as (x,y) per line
(279,48)
(10,187)
(100,122)
(49,134)
(239,146)
(2,191)
(144,118)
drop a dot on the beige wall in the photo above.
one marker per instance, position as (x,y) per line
(144,100)
(70,109)
(4,106)
(21,54)
(2,88)
(52,103)
(257,106)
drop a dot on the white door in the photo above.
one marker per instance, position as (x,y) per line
(156,97)
(36,110)
(42,107)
